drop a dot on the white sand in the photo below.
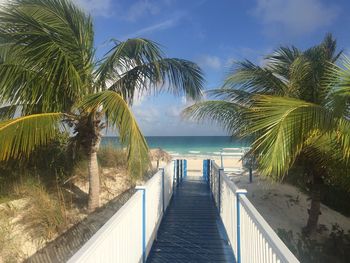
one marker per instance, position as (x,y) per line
(195,163)
(283,206)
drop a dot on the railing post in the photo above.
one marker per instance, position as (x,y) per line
(250,174)
(208,172)
(221,159)
(238,193)
(177,172)
(219,201)
(182,170)
(185,168)
(143,189)
(163,203)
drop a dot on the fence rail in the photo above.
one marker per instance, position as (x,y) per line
(251,237)
(128,235)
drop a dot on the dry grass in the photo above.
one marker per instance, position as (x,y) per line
(109,156)
(9,246)
(43,210)
(46,213)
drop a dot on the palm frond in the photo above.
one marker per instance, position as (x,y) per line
(7,112)
(126,55)
(283,125)
(177,76)
(138,65)
(20,136)
(119,115)
(224,113)
(281,60)
(255,79)
(49,52)
(339,76)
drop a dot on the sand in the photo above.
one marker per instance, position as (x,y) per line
(283,206)
(195,163)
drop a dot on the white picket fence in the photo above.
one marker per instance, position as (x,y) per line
(128,235)
(251,237)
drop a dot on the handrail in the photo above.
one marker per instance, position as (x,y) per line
(252,236)
(128,235)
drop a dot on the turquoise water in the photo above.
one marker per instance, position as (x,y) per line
(187,145)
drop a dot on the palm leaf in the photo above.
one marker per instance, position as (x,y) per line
(281,60)
(283,125)
(7,112)
(255,79)
(20,136)
(125,56)
(138,65)
(49,53)
(120,116)
(227,114)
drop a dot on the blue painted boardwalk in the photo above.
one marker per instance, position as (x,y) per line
(191,230)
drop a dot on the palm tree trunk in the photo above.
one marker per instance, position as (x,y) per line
(314,211)
(88,130)
(94,177)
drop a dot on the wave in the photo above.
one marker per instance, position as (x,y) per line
(194,151)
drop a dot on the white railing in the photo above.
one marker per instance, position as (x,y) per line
(128,235)
(251,237)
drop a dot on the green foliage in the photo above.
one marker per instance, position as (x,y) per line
(21,135)
(47,48)
(290,106)
(119,115)
(47,64)
(142,67)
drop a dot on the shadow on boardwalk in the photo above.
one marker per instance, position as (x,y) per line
(65,246)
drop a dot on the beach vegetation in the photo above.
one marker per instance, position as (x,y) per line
(296,108)
(51,81)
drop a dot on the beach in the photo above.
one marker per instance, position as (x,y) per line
(282,205)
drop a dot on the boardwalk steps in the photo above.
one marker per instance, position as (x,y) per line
(191,230)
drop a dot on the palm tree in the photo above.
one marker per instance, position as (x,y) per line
(50,80)
(292,108)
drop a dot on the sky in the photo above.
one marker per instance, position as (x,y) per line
(212,33)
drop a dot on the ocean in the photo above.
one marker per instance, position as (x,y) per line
(187,145)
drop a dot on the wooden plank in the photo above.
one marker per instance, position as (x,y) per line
(190,230)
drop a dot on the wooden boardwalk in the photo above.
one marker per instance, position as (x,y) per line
(191,230)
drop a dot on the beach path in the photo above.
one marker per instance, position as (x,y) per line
(191,230)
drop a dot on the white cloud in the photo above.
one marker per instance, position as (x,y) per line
(96,7)
(154,28)
(294,17)
(163,25)
(146,113)
(209,61)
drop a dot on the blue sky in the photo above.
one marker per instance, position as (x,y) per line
(212,34)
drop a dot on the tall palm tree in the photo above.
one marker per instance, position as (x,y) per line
(50,80)
(292,108)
